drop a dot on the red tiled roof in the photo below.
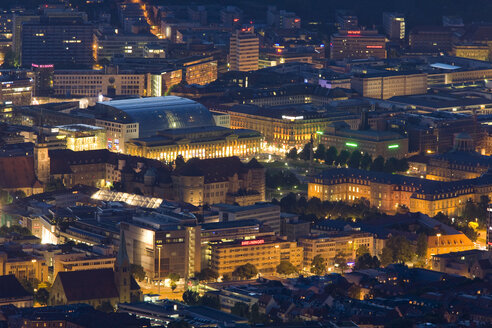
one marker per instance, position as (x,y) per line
(88,284)
(17,172)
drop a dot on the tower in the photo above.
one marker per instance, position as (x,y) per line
(122,271)
(244,50)
(41,160)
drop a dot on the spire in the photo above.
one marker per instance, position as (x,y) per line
(122,256)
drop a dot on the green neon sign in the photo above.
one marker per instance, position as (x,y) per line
(351,144)
(319,132)
(393,146)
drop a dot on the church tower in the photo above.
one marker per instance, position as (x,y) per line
(122,271)
(42,160)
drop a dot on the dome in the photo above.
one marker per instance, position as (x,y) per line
(156,113)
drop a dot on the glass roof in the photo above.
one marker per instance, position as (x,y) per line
(159,113)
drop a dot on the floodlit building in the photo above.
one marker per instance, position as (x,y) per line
(244,50)
(80,137)
(394,26)
(357,44)
(385,85)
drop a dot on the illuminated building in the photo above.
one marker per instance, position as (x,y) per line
(200,142)
(161,82)
(57,41)
(431,39)
(92,83)
(281,57)
(471,51)
(329,245)
(375,143)
(394,26)
(231,16)
(80,137)
(23,268)
(284,128)
(385,85)
(244,50)
(43,79)
(127,45)
(443,243)
(80,261)
(15,90)
(198,70)
(18,173)
(265,254)
(220,180)
(357,44)
(389,191)
(145,117)
(266,213)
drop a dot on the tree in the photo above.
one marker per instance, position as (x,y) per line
(137,272)
(174,276)
(207,274)
(305,154)
(19,194)
(342,157)
(292,154)
(421,250)
(354,160)
(366,261)
(11,59)
(173,286)
(42,296)
(386,257)
(240,309)
(320,152)
(56,184)
(287,268)
(105,307)
(402,165)
(318,265)
(330,155)
(391,165)
(400,248)
(179,162)
(340,261)
(211,301)
(190,297)
(363,249)
(378,164)
(246,271)
(365,161)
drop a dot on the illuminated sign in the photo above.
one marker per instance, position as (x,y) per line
(374,47)
(353,32)
(42,66)
(351,144)
(236,20)
(393,146)
(319,132)
(252,242)
(292,118)
(297,20)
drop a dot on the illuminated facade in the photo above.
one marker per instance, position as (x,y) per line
(24,268)
(389,191)
(328,246)
(389,84)
(284,128)
(394,26)
(201,142)
(375,143)
(79,261)
(15,91)
(471,51)
(357,44)
(80,137)
(244,50)
(447,243)
(201,71)
(264,254)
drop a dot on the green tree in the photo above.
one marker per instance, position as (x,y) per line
(42,296)
(287,268)
(173,286)
(342,158)
(366,261)
(320,152)
(174,276)
(386,256)
(179,162)
(354,160)
(401,249)
(318,265)
(363,249)
(246,271)
(191,297)
(305,153)
(207,274)
(330,155)
(421,250)
(137,272)
(365,161)
(378,164)
(11,59)
(292,154)
(340,261)
(240,309)
(391,165)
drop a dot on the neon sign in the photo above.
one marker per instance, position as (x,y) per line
(252,242)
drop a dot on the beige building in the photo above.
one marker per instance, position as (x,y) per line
(471,51)
(79,261)
(386,85)
(328,246)
(24,268)
(81,137)
(244,50)
(264,254)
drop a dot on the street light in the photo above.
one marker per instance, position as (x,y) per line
(438,239)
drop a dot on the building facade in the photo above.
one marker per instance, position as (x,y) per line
(387,85)
(357,44)
(244,50)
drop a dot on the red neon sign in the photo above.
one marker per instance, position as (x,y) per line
(374,47)
(42,66)
(236,20)
(252,242)
(353,32)
(297,20)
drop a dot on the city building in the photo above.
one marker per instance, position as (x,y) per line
(394,26)
(375,143)
(282,19)
(145,117)
(12,293)
(81,137)
(329,245)
(458,262)
(431,39)
(267,214)
(244,50)
(220,180)
(198,70)
(43,79)
(15,89)
(385,85)
(471,51)
(80,261)
(346,20)
(18,174)
(265,254)
(23,266)
(357,44)
(489,228)
(128,45)
(199,142)
(57,41)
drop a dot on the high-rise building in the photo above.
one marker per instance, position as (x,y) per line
(43,79)
(346,20)
(231,16)
(244,50)
(394,26)
(357,44)
(58,41)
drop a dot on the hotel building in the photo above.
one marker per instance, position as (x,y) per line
(357,44)
(81,137)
